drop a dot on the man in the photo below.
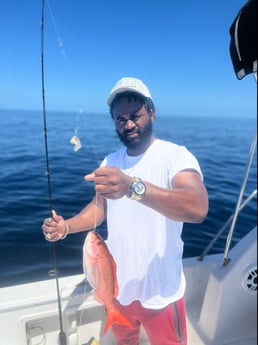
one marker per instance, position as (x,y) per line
(147,189)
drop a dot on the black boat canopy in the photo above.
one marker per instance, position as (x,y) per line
(243,44)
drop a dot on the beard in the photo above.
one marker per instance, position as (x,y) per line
(142,138)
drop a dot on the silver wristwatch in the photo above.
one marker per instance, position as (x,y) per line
(137,189)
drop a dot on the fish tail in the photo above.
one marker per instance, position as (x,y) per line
(116,317)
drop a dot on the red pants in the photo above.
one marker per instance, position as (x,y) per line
(163,326)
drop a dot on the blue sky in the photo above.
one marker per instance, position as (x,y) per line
(180,49)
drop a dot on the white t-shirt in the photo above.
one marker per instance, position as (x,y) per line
(146,246)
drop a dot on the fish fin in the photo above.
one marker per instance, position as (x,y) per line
(116,317)
(116,284)
(116,289)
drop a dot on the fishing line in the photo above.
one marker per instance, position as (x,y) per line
(95,214)
(75,140)
(62,336)
(59,40)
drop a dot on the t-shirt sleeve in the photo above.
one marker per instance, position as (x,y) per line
(182,159)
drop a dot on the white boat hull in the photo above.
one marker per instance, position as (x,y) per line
(220,302)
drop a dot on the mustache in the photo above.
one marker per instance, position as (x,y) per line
(133,130)
(143,134)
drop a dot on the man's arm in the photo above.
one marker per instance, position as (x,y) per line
(187,201)
(90,216)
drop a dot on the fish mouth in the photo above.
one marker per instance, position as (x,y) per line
(92,235)
(90,239)
(93,244)
(88,251)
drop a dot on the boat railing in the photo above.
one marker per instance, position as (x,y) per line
(234,216)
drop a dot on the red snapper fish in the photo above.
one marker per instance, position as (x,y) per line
(100,269)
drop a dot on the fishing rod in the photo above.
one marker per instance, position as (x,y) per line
(54,272)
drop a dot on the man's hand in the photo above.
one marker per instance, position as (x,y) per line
(54,228)
(110,182)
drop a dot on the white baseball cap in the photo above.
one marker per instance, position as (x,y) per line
(128,84)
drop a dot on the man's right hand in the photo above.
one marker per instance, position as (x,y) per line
(54,228)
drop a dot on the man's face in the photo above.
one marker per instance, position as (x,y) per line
(133,123)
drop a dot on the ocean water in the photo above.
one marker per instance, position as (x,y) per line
(221,145)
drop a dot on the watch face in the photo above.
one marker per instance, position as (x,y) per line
(139,188)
